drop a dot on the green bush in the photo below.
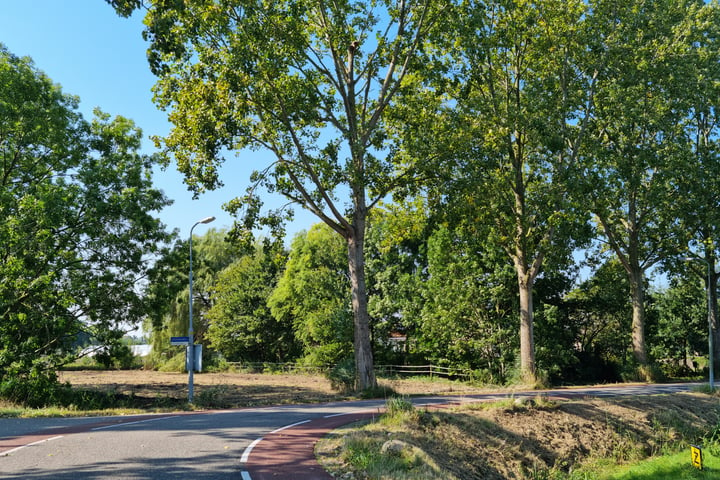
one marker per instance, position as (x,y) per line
(342,375)
(174,364)
(35,390)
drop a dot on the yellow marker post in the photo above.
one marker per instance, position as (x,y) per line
(696,456)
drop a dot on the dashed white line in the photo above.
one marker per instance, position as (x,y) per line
(131,423)
(245,475)
(8,452)
(290,426)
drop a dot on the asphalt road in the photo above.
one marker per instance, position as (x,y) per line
(205,445)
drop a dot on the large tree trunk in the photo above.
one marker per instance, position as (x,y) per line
(638,317)
(364,366)
(711,285)
(527,342)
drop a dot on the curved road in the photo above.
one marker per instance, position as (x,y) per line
(201,445)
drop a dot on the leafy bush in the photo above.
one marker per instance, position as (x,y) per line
(174,364)
(342,375)
(35,390)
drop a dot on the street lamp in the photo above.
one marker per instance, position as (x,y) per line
(711,317)
(191,340)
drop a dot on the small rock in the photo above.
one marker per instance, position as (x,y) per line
(393,447)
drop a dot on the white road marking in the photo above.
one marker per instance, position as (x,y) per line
(246,453)
(5,454)
(290,426)
(131,423)
(245,475)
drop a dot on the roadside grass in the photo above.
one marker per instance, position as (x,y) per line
(91,403)
(533,439)
(675,466)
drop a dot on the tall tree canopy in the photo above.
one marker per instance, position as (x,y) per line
(640,149)
(523,103)
(169,290)
(76,226)
(316,84)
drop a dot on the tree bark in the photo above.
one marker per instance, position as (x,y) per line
(638,317)
(527,342)
(364,364)
(711,281)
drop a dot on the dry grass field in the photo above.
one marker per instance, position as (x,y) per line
(232,390)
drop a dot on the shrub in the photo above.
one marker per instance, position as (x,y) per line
(342,375)
(35,390)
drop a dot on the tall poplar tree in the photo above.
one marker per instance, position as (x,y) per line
(700,182)
(523,101)
(313,82)
(639,149)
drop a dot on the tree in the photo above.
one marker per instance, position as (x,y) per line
(523,99)
(682,325)
(314,83)
(241,326)
(639,150)
(598,317)
(396,269)
(467,311)
(169,290)
(313,296)
(76,228)
(699,187)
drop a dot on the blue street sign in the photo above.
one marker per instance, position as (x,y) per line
(179,340)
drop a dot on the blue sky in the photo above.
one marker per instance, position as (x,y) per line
(100,57)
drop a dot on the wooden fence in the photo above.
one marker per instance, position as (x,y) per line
(380,370)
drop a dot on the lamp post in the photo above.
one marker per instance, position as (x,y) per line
(191,340)
(711,317)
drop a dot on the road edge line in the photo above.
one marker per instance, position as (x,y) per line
(9,452)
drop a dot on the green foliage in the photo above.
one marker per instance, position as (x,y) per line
(242,327)
(175,363)
(38,389)
(313,295)
(396,269)
(324,87)
(342,375)
(76,228)
(119,356)
(468,315)
(638,148)
(682,326)
(595,329)
(168,292)
(510,122)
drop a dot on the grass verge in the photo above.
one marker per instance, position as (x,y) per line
(538,440)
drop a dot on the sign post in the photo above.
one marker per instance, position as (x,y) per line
(696,457)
